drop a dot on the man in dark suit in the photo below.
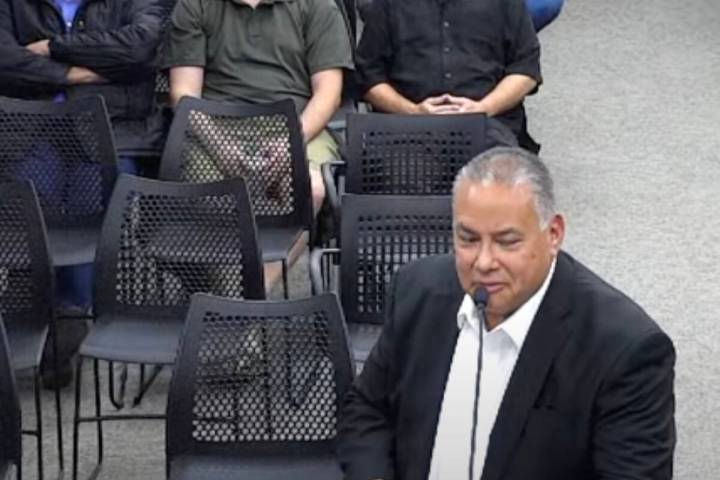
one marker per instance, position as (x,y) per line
(576,380)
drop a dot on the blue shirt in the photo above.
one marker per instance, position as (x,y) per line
(68,8)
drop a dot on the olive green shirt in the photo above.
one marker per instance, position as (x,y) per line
(258,55)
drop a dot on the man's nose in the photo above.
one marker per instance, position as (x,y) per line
(485,258)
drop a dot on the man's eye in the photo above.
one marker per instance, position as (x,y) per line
(508,242)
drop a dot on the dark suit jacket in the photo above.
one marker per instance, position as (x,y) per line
(591,395)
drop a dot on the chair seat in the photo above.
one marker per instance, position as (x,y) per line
(133,340)
(27,343)
(215,467)
(72,246)
(276,242)
(363,337)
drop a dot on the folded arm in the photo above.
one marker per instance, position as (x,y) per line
(21,68)
(122,54)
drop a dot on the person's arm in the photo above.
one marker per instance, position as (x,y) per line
(185,82)
(634,434)
(365,426)
(374,56)
(509,92)
(122,54)
(385,98)
(184,53)
(19,66)
(327,52)
(325,100)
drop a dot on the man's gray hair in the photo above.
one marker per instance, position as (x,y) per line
(513,166)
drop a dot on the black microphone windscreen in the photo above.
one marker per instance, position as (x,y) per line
(480,297)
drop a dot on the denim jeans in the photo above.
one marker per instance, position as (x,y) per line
(74,283)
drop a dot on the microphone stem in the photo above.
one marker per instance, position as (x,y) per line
(481,321)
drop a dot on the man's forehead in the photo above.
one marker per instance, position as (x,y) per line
(494,192)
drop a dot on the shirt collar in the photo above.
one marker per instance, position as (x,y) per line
(517,325)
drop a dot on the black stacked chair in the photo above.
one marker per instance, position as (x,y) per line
(26,294)
(389,154)
(379,233)
(66,149)
(256,390)
(10,436)
(263,144)
(161,243)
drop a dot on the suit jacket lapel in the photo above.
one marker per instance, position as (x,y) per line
(547,334)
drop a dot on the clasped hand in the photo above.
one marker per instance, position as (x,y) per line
(449,104)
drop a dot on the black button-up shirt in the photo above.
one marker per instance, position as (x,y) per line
(425,48)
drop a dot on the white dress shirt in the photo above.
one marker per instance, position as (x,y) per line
(501,348)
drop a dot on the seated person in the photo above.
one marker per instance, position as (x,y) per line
(65,49)
(426,56)
(509,359)
(262,51)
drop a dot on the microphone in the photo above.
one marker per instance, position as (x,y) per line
(480,299)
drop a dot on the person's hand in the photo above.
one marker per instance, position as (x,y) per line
(437,106)
(80,75)
(41,47)
(464,104)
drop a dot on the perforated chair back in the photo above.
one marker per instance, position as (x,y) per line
(410,154)
(263,144)
(258,378)
(10,437)
(26,279)
(66,149)
(164,241)
(380,234)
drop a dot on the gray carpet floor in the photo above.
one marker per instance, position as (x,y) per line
(629,119)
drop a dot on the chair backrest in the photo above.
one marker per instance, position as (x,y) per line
(263,144)
(66,149)
(410,154)
(10,437)
(26,277)
(162,242)
(380,233)
(258,378)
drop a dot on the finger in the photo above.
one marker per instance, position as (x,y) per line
(435,100)
(445,109)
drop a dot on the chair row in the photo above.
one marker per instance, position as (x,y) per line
(255,393)
(164,241)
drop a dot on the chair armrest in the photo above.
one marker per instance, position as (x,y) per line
(319,276)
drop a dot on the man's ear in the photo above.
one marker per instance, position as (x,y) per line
(556,231)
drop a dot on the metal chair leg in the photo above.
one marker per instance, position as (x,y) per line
(38,420)
(76,417)
(58,407)
(98,413)
(145,386)
(117,402)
